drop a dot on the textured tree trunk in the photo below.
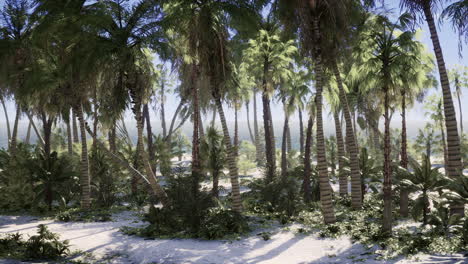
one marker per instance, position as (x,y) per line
(404,155)
(112,138)
(458,89)
(322,166)
(200,126)
(231,158)
(356,191)
(236,133)
(14,136)
(196,134)
(95,126)
(387,184)
(215,190)
(252,137)
(288,138)
(301,133)
(163,112)
(343,178)
(74,126)
(69,136)
(213,119)
(453,140)
(149,131)
(157,189)
(47,128)
(308,161)
(284,146)
(268,127)
(174,117)
(28,134)
(7,120)
(258,146)
(85,180)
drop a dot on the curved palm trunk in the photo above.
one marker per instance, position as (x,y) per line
(453,140)
(258,147)
(74,126)
(308,161)
(284,143)
(157,189)
(40,140)
(404,155)
(343,178)
(231,158)
(301,133)
(387,184)
(85,180)
(322,166)
(6,119)
(14,136)
(356,191)
(252,138)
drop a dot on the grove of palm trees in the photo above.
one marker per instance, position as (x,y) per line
(233,131)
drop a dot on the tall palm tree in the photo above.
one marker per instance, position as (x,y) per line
(459,77)
(454,165)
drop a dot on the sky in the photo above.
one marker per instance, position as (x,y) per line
(416,118)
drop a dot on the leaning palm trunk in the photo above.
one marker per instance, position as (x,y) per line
(308,161)
(343,179)
(387,184)
(231,157)
(454,165)
(6,119)
(85,180)
(356,192)
(174,117)
(14,136)
(28,134)
(157,189)
(40,140)
(322,166)
(404,155)
(284,143)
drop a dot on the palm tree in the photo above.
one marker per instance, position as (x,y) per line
(389,53)
(459,76)
(213,149)
(454,165)
(275,57)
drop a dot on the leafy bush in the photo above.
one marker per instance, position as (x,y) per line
(84,215)
(104,182)
(43,246)
(219,222)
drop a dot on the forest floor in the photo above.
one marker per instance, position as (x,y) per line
(102,242)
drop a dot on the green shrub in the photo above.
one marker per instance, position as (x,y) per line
(84,215)
(43,246)
(219,222)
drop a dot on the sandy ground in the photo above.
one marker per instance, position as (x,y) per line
(108,245)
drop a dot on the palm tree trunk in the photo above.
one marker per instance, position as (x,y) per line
(387,184)
(322,166)
(444,147)
(7,120)
(458,89)
(404,155)
(14,136)
(213,119)
(453,140)
(28,134)
(85,180)
(200,126)
(258,147)
(231,158)
(40,140)
(47,128)
(268,127)
(284,143)
(236,133)
(157,189)
(343,178)
(356,192)
(112,138)
(197,130)
(163,112)
(301,133)
(149,130)
(308,161)
(288,138)
(174,117)
(69,136)
(252,138)
(74,126)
